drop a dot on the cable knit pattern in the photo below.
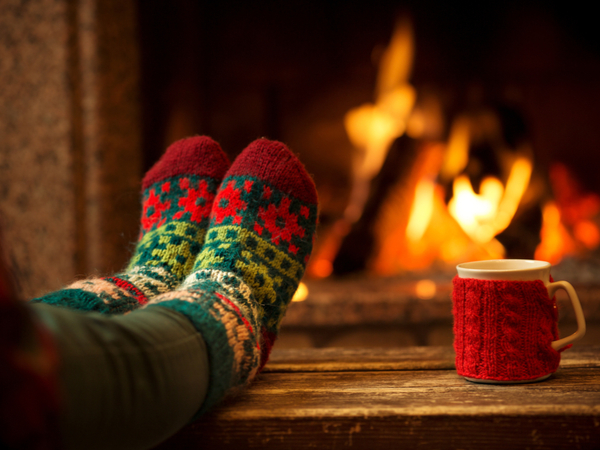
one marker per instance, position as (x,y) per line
(177,196)
(504,329)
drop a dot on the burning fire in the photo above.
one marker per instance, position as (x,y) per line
(569,224)
(487,214)
(373,127)
(418,227)
(466,227)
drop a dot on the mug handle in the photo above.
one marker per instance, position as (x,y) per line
(552,288)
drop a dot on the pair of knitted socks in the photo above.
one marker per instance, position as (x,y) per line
(226,246)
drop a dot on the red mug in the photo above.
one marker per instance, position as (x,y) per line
(506,321)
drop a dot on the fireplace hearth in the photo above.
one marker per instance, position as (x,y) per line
(522,74)
(401,311)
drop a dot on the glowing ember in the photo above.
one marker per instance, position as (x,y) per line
(425,289)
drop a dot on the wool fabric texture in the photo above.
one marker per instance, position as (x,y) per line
(259,240)
(177,196)
(503,330)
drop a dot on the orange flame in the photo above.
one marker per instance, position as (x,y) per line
(463,229)
(373,127)
(421,210)
(485,215)
(301,293)
(555,240)
(569,225)
(416,228)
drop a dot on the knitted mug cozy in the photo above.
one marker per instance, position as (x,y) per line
(503,330)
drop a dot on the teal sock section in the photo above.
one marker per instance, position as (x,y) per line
(87,301)
(221,308)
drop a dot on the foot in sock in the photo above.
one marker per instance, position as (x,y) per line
(177,196)
(258,243)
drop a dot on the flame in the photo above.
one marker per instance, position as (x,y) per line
(416,227)
(487,214)
(587,233)
(457,153)
(320,264)
(466,227)
(569,226)
(555,240)
(421,210)
(301,293)
(372,127)
(474,212)
(396,63)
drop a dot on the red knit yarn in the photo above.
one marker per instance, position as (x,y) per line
(268,340)
(272,161)
(198,155)
(503,330)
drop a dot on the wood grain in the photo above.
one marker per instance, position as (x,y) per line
(360,359)
(410,358)
(401,398)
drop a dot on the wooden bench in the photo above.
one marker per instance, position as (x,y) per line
(401,398)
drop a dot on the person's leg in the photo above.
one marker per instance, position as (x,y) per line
(177,197)
(126,381)
(131,381)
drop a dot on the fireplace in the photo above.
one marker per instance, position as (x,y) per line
(516,85)
(436,134)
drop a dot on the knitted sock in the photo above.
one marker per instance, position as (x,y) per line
(257,246)
(177,195)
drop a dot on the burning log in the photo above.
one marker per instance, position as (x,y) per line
(358,245)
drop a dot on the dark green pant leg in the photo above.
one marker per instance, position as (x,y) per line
(127,381)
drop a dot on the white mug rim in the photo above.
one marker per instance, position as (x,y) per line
(530,264)
(505,269)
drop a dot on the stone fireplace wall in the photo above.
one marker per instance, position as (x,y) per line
(69,138)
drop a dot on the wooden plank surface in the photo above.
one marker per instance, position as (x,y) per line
(334,402)
(360,359)
(409,358)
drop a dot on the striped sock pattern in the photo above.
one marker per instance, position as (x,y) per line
(221,306)
(177,196)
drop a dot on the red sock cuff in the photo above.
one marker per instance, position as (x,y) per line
(273,162)
(198,155)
